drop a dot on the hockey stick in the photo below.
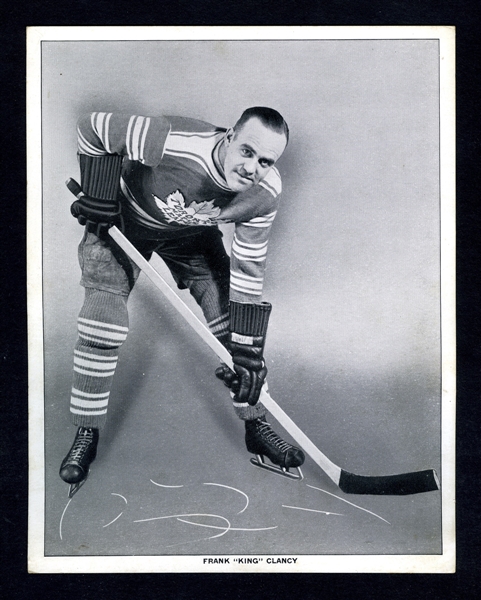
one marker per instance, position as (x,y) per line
(405,483)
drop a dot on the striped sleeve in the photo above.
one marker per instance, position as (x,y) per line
(248,258)
(139,138)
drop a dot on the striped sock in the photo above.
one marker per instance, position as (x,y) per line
(220,328)
(102,327)
(246,412)
(213,299)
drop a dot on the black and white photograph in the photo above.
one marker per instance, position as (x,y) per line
(241,299)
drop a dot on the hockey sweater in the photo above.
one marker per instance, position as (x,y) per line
(172,183)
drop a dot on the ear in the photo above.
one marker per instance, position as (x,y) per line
(229,135)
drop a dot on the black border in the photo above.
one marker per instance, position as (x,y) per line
(14,580)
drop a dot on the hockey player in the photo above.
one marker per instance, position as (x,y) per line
(179,178)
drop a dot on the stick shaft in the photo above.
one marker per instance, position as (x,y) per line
(331,469)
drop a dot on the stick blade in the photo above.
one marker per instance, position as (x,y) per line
(390,485)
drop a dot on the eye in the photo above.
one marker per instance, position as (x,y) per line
(246,152)
(265,163)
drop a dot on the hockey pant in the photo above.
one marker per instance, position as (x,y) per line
(198,263)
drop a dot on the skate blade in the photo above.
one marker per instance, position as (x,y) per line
(74,487)
(258,461)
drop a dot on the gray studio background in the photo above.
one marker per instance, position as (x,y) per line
(353,267)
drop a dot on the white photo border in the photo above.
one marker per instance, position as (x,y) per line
(37,561)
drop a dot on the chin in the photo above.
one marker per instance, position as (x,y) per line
(237,185)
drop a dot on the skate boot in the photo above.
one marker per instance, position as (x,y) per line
(75,466)
(262,441)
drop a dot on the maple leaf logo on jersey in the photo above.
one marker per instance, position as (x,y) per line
(197,213)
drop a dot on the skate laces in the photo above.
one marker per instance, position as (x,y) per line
(271,436)
(81,444)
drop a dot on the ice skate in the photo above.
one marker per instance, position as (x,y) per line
(75,466)
(262,441)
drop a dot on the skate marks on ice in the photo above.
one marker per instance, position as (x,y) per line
(351,503)
(324,512)
(197,518)
(230,528)
(118,516)
(334,513)
(235,490)
(215,484)
(110,523)
(166,486)
(182,518)
(61,518)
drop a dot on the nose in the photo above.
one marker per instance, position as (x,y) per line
(249,166)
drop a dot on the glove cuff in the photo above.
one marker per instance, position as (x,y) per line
(100,175)
(249,319)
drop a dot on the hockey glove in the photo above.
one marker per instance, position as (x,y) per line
(248,328)
(228,376)
(97,205)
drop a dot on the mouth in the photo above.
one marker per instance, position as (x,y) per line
(244,178)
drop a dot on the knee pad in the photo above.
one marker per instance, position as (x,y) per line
(103,321)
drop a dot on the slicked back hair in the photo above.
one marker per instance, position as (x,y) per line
(269,117)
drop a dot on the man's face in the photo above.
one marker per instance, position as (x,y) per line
(250,153)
